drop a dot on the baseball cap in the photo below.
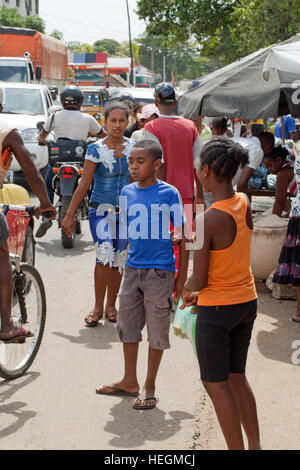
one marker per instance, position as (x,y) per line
(148,111)
(165,93)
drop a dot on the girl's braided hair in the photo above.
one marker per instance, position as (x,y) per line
(224,157)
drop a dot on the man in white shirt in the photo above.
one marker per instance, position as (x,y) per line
(69,123)
(252,144)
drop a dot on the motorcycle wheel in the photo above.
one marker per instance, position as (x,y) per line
(67,242)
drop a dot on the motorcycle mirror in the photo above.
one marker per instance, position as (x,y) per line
(54,109)
(40,125)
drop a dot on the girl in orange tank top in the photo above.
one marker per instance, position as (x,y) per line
(222,285)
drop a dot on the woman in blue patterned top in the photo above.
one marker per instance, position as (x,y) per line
(107,163)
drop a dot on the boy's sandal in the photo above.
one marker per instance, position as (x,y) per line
(92,319)
(147,403)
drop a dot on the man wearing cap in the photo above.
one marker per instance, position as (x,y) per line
(181,144)
(148,114)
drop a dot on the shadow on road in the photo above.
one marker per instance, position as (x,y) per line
(155,425)
(53,248)
(277,343)
(15,409)
(98,338)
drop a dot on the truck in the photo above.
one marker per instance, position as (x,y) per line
(28,56)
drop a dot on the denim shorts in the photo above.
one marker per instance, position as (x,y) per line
(4,231)
(145,299)
(223,336)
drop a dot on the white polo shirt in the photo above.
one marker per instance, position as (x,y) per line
(72,125)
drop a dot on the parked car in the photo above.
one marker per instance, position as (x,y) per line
(146,95)
(24,106)
(21,225)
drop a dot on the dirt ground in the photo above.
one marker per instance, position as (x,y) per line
(274,378)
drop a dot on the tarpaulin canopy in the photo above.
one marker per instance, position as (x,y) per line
(286,60)
(240,90)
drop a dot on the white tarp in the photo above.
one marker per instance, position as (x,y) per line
(286,60)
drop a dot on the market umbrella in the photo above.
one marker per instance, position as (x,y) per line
(240,90)
(286,60)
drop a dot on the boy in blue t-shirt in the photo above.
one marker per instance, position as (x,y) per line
(148,206)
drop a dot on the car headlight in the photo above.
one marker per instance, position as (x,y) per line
(30,136)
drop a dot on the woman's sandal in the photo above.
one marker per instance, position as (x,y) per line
(112,315)
(92,319)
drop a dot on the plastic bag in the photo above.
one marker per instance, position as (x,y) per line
(184,324)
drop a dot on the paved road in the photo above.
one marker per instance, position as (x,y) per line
(55,406)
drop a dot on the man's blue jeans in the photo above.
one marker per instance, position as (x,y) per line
(48,182)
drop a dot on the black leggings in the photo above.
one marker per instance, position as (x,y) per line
(223,336)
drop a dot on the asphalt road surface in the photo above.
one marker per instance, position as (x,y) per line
(55,405)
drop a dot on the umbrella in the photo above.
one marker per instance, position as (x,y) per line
(286,60)
(239,90)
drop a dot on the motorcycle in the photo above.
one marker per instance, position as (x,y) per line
(66,158)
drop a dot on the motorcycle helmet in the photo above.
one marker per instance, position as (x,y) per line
(53,89)
(165,93)
(72,96)
(122,96)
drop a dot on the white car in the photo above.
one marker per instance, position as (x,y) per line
(24,106)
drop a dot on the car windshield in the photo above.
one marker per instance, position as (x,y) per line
(13,71)
(91,98)
(22,101)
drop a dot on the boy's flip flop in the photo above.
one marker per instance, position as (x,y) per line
(19,337)
(114,391)
(145,403)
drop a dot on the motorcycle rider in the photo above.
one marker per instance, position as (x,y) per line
(54,94)
(69,123)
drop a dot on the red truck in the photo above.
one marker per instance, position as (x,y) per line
(29,56)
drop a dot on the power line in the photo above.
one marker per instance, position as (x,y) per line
(84,24)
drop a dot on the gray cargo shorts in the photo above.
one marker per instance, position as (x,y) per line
(146,299)
(4,231)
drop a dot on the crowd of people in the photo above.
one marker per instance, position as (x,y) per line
(149,176)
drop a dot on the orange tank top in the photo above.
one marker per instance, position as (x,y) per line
(230,279)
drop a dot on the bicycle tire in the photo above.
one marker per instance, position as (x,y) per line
(30,347)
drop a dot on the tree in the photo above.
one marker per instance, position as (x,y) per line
(57,34)
(107,45)
(11,17)
(34,22)
(228,29)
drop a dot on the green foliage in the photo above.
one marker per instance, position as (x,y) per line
(57,34)
(11,17)
(107,45)
(225,29)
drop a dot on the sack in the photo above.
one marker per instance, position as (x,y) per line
(66,151)
(184,324)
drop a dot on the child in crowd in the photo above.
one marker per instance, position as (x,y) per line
(278,163)
(147,208)
(223,286)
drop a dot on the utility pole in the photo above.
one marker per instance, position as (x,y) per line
(130,47)
(164,68)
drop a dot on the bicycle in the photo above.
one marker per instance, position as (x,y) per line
(28,308)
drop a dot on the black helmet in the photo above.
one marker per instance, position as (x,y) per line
(119,95)
(53,89)
(72,96)
(165,93)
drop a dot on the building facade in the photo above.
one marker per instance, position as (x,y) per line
(25,7)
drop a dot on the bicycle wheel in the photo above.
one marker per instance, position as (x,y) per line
(16,358)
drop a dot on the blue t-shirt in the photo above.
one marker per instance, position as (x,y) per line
(146,215)
(289,126)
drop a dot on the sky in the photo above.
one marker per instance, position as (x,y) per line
(91,20)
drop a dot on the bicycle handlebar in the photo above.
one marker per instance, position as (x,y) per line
(11,207)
